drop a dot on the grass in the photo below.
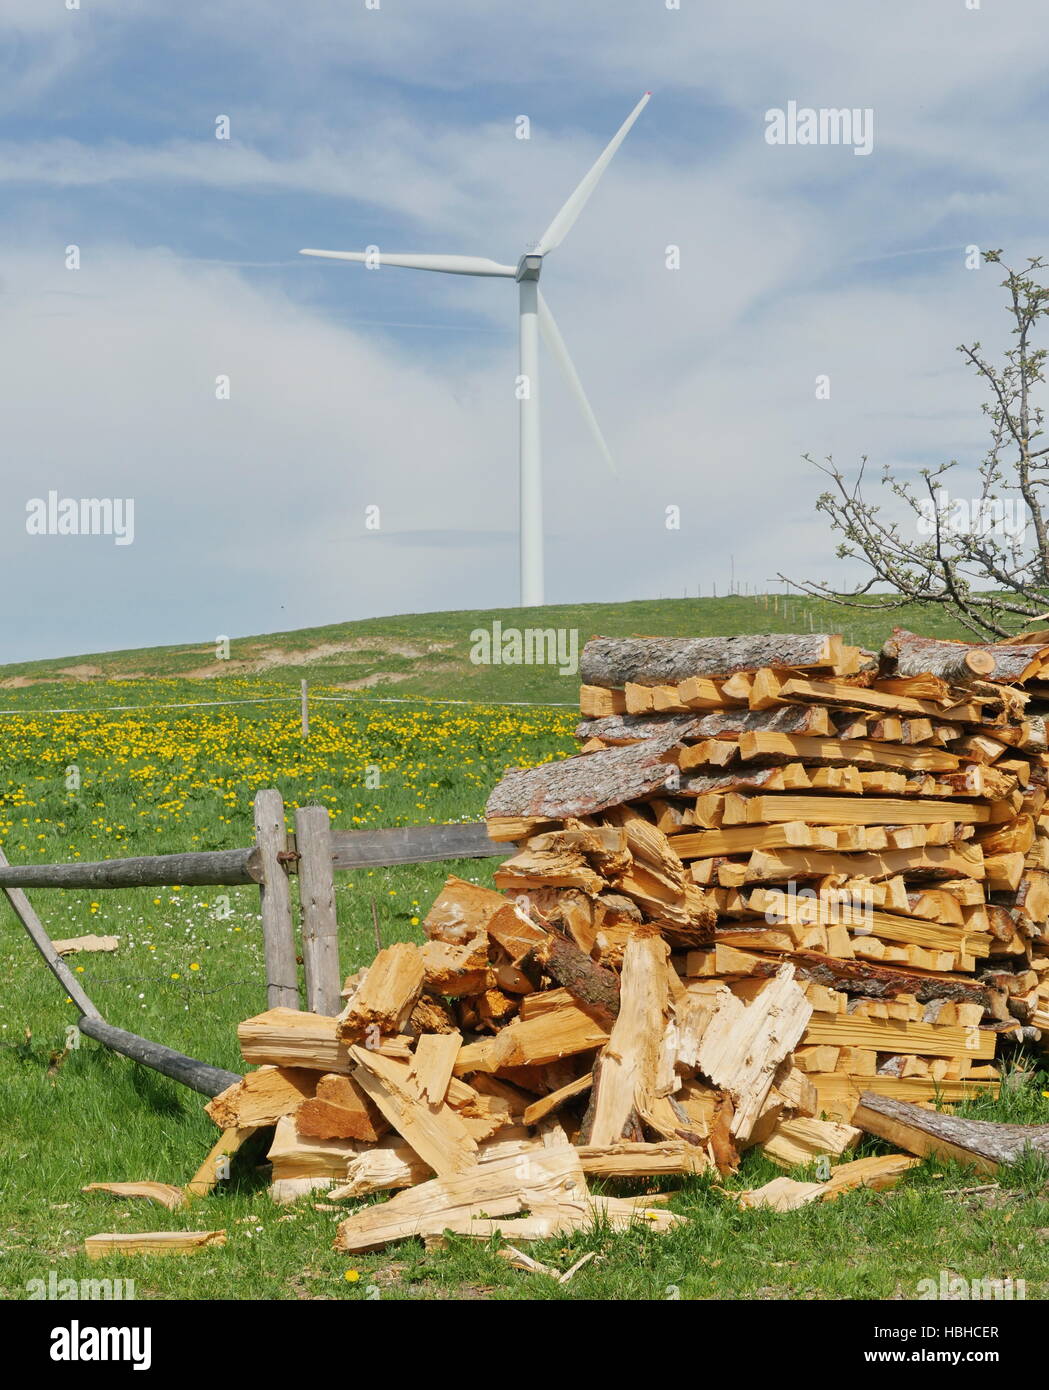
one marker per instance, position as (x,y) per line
(428,654)
(189,967)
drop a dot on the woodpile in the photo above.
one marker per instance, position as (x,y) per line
(782,873)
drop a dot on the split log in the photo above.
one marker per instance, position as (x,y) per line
(540,1181)
(539,1109)
(979,1143)
(295,1156)
(436,1133)
(547,868)
(433,1062)
(461,910)
(744,1044)
(537,1041)
(858,753)
(848,810)
(152,1243)
(613,661)
(841,693)
(913,1039)
(229,1142)
(628,1073)
(339,1110)
(802,1140)
(885,981)
(163,1193)
(454,970)
(384,1167)
(75,944)
(262,1097)
(290,1038)
(631,728)
(786,1194)
(386,995)
(642,1160)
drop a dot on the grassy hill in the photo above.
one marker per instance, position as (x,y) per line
(428,654)
(190,965)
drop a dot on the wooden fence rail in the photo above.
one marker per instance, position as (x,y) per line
(314,852)
(413,844)
(211,867)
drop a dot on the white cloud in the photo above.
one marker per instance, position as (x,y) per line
(794,262)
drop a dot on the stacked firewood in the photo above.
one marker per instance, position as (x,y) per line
(876,821)
(782,872)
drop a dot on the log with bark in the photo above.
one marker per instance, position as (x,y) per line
(980,1143)
(613,661)
(960,663)
(587,783)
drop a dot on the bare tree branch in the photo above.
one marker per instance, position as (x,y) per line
(963,556)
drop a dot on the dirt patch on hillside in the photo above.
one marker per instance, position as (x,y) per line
(67,673)
(80,673)
(269,657)
(393,677)
(265,659)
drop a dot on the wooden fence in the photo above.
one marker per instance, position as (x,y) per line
(314,852)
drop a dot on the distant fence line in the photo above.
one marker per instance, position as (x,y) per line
(296,699)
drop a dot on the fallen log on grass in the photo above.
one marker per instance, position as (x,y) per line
(979,1143)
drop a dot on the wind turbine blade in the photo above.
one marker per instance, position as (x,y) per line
(556,344)
(562,223)
(451,265)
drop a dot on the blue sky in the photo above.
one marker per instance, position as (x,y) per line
(395,127)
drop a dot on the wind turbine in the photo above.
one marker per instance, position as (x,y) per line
(534,318)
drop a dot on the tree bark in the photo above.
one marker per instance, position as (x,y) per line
(630,728)
(787,719)
(885,981)
(585,783)
(593,985)
(613,661)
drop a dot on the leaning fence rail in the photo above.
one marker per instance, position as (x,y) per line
(314,852)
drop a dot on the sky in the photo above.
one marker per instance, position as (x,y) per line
(396,123)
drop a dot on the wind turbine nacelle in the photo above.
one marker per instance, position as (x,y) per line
(528,268)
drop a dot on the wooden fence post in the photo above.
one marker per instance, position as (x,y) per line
(320,938)
(304,701)
(278,927)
